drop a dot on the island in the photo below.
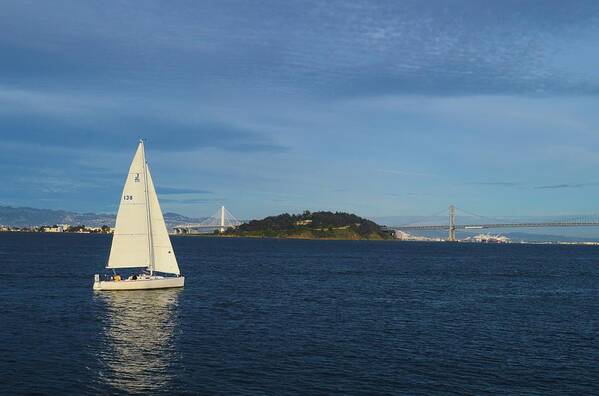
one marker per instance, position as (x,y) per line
(312,225)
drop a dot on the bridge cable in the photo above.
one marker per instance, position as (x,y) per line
(423,220)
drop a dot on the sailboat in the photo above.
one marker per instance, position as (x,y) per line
(140,237)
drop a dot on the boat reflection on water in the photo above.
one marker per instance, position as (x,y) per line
(138,350)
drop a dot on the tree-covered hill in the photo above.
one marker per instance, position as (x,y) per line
(316,225)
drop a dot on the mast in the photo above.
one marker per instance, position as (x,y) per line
(149,215)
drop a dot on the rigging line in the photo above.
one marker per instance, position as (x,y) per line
(148,210)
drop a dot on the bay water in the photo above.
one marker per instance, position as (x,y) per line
(267,316)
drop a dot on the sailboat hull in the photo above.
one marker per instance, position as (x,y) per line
(141,284)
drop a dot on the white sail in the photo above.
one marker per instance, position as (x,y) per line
(140,235)
(130,243)
(164,255)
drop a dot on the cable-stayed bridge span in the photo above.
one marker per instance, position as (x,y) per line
(221,220)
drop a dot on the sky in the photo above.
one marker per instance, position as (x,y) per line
(381,108)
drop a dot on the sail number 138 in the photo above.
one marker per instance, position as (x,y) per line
(127,197)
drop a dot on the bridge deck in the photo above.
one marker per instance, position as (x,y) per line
(496,225)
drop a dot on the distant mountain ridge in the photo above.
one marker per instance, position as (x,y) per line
(27,217)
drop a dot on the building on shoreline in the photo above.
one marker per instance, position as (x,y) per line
(404,236)
(481,238)
(488,238)
(59,228)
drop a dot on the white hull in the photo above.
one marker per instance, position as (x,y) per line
(157,282)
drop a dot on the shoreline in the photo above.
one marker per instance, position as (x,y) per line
(274,237)
(575,243)
(578,243)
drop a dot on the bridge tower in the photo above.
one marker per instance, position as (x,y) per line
(222,219)
(451,237)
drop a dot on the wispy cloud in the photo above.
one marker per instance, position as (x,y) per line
(177,190)
(558,186)
(333,47)
(190,201)
(409,194)
(401,172)
(71,119)
(541,187)
(498,184)
(372,96)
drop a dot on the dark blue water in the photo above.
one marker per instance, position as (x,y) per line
(302,317)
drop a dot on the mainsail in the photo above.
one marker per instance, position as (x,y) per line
(140,236)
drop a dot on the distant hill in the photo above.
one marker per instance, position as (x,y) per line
(27,217)
(317,225)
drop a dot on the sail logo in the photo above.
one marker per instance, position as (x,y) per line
(136,179)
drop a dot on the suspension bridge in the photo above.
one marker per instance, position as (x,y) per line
(489,223)
(221,220)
